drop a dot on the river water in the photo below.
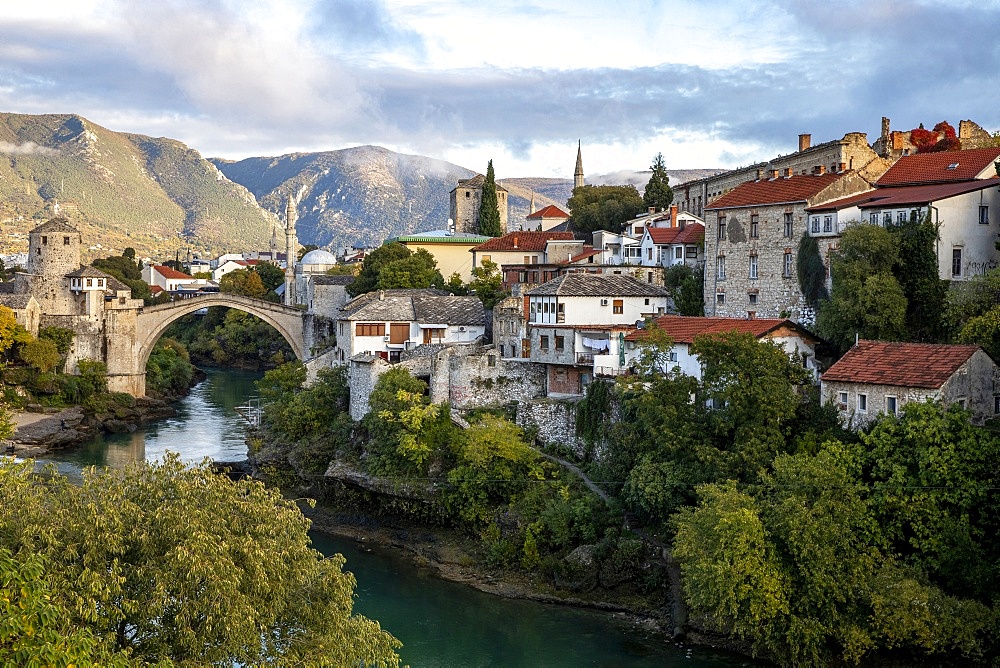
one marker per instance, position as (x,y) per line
(440,623)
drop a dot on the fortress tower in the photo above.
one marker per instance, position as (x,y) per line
(53,253)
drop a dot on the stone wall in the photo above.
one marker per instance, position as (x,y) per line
(554,422)
(484,379)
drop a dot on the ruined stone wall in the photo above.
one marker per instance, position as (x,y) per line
(361,377)
(484,379)
(554,422)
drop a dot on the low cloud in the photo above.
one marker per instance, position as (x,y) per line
(27,148)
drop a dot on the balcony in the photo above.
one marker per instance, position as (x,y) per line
(585,358)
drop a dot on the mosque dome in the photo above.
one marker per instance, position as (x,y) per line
(318,256)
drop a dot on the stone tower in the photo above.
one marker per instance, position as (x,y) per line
(291,250)
(53,252)
(578,172)
(465,201)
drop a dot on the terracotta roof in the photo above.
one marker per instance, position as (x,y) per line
(587,252)
(522,241)
(689,234)
(796,188)
(155,289)
(598,285)
(684,329)
(551,211)
(926,365)
(907,195)
(933,167)
(167,272)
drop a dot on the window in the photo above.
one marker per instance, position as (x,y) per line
(956,262)
(961,403)
(842,399)
(828,223)
(649,277)
(720,266)
(467,194)
(753,298)
(673,355)
(984,215)
(754,226)
(720,298)
(66,239)
(679,253)
(646,301)
(873,218)
(996,404)
(543,343)
(722,227)
(787,267)
(753,266)
(369,329)
(814,224)
(890,405)
(486,258)
(560,343)
(900,217)
(491,360)
(788,223)
(887,218)
(618,307)
(649,253)
(45,241)
(862,403)
(691,252)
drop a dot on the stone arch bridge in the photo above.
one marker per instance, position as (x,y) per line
(130,343)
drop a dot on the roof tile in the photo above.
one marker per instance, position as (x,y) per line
(684,329)
(925,365)
(933,167)
(796,188)
(598,285)
(522,241)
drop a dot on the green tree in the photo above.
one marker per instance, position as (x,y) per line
(917,272)
(169,370)
(489,209)
(305,249)
(658,193)
(41,354)
(604,207)
(487,284)
(867,300)
(687,289)
(396,266)
(811,271)
(972,307)
(243,282)
(271,275)
(140,558)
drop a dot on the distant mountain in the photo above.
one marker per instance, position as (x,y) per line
(155,195)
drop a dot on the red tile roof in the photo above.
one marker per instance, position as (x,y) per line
(795,188)
(167,272)
(906,195)
(926,365)
(522,241)
(689,234)
(684,329)
(933,167)
(587,252)
(551,211)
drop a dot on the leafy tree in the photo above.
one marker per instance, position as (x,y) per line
(41,354)
(867,300)
(687,289)
(917,272)
(487,284)
(972,308)
(9,334)
(811,271)
(455,285)
(169,369)
(396,266)
(753,386)
(141,558)
(489,209)
(62,337)
(344,270)
(604,207)
(243,282)
(282,382)
(658,193)
(271,275)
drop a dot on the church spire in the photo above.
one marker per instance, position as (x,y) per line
(578,173)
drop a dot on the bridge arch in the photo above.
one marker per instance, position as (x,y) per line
(152,321)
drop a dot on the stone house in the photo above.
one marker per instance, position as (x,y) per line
(850,153)
(577,321)
(958,188)
(795,340)
(546,218)
(385,323)
(466,198)
(25,307)
(876,377)
(752,241)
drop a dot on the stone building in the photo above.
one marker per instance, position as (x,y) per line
(466,198)
(850,153)
(876,377)
(752,239)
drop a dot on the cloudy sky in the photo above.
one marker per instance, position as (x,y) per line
(716,83)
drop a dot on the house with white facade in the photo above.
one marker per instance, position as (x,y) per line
(669,246)
(546,218)
(384,323)
(167,278)
(617,248)
(877,377)
(958,189)
(797,342)
(577,319)
(231,265)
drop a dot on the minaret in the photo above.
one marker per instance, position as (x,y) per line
(578,173)
(274,243)
(291,250)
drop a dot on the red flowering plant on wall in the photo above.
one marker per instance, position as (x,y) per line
(942,138)
(923,139)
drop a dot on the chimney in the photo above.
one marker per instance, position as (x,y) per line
(760,173)
(843,167)
(885,128)
(652,210)
(820,170)
(673,215)
(515,241)
(804,142)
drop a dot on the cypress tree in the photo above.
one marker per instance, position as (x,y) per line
(489,210)
(658,192)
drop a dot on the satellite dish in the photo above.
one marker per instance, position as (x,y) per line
(640,324)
